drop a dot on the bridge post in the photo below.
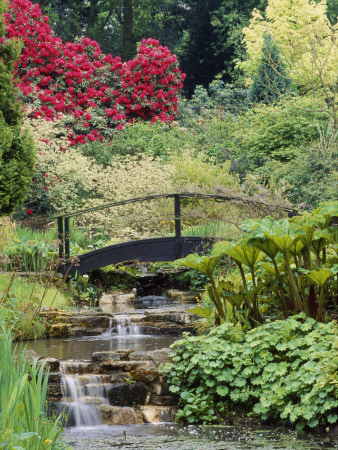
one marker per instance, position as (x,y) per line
(178,231)
(60,237)
(67,247)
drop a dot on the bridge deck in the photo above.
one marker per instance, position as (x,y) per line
(144,250)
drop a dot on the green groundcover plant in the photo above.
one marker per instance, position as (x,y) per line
(285,370)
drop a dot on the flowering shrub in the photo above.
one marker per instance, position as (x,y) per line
(100,92)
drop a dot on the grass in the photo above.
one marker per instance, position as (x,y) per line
(216,229)
(26,288)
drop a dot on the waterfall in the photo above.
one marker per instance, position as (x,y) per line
(110,329)
(83,393)
(125,327)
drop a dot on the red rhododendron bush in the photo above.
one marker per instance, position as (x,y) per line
(99,92)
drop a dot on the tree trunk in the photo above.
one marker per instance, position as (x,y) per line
(92,18)
(128,40)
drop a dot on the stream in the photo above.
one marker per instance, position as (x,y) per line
(88,393)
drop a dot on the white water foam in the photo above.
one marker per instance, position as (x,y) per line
(125,326)
(83,393)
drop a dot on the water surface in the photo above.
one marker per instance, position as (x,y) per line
(167,436)
(83,347)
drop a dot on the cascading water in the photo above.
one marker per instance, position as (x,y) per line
(110,329)
(125,327)
(83,393)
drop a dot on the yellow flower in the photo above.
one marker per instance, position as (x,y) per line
(46,440)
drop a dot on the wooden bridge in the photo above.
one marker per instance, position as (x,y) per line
(143,250)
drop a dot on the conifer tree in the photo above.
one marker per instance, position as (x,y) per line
(272,80)
(17,152)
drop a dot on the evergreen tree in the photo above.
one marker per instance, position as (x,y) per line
(17,153)
(272,80)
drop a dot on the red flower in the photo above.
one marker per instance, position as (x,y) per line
(29,212)
(68,77)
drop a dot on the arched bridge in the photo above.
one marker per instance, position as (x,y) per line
(143,250)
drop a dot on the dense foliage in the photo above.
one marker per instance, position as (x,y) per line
(17,151)
(289,264)
(279,371)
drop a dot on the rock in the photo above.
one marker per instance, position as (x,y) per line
(163,400)
(52,364)
(145,376)
(31,356)
(128,394)
(142,356)
(54,378)
(104,356)
(124,354)
(116,298)
(151,330)
(160,388)
(161,356)
(125,366)
(182,318)
(90,400)
(119,377)
(115,415)
(60,330)
(158,413)
(105,299)
(177,295)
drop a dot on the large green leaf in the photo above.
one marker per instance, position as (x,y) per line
(244,254)
(204,264)
(220,248)
(266,245)
(204,312)
(320,276)
(259,227)
(286,243)
(321,238)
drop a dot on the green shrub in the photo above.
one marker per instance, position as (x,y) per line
(311,177)
(218,98)
(23,421)
(20,315)
(277,131)
(271,80)
(17,151)
(140,139)
(274,372)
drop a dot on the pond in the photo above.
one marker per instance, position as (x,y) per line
(83,347)
(167,436)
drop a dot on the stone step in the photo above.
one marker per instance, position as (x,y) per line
(119,415)
(151,413)
(88,400)
(78,367)
(88,378)
(96,389)
(125,366)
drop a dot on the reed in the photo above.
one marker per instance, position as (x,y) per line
(23,390)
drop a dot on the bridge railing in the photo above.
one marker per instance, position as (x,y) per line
(63,220)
